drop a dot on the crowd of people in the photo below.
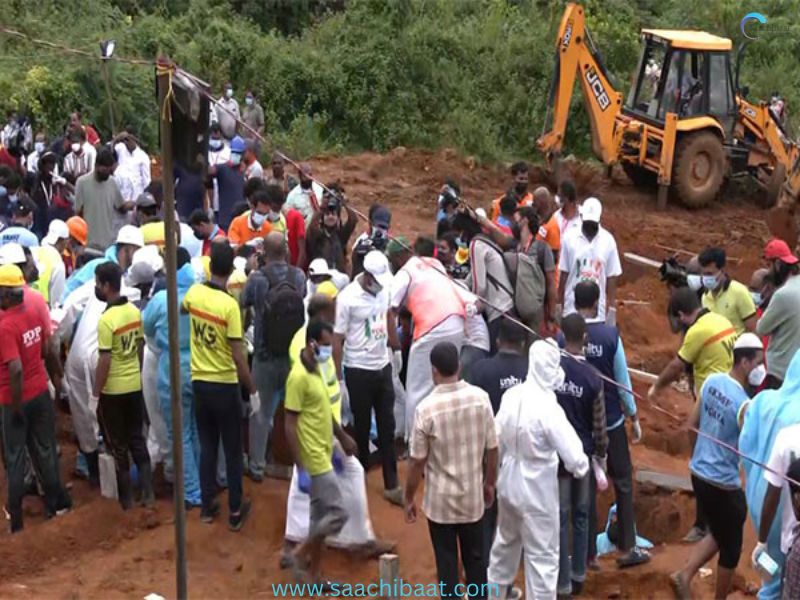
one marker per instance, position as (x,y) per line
(487,354)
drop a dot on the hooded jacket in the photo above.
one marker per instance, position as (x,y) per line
(154,317)
(86,272)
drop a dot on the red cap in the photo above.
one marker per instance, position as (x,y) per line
(778,249)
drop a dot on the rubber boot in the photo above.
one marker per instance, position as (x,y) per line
(92,462)
(124,489)
(146,483)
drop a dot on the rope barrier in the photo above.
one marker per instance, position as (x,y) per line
(166,110)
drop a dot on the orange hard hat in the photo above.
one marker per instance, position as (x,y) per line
(78,229)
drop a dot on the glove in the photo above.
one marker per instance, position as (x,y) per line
(760,547)
(255,403)
(338,462)
(397,361)
(304,481)
(637,430)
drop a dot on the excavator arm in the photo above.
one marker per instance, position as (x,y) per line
(574,58)
(782,219)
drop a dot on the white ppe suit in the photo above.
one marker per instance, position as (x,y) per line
(533,432)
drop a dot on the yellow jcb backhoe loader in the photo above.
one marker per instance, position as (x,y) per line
(685,124)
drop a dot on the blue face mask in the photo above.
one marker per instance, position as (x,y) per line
(710,282)
(249,101)
(236,159)
(39,147)
(695,282)
(323,353)
(257,218)
(214,144)
(757,299)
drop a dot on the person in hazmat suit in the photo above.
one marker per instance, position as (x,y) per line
(768,413)
(154,320)
(534,434)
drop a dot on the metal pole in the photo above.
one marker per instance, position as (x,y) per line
(164,74)
(107,80)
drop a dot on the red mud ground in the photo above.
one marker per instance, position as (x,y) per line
(97,551)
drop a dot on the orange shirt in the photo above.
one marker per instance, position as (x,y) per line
(550,233)
(526,200)
(240,230)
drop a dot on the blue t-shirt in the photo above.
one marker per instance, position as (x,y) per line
(19,235)
(721,397)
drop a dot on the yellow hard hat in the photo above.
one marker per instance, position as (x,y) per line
(328,288)
(11,276)
(462,256)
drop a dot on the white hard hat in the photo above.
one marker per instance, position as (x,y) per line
(12,254)
(319,266)
(748,341)
(149,255)
(130,234)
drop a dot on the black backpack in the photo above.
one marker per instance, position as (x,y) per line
(283,314)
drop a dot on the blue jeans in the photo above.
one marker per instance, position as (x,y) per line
(269,376)
(574,496)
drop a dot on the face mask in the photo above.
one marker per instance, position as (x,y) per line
(323,353)
(229,93)
(199,236)
(305,184)
(709,282)
(757,299)
(257,219)
(236,159)
(102,176)
(13,198)
(460,243)
(590,229)
(521,188)
(76,148)
(695,282)
(214,144)
(373,287)
(99,294)
(39,147)
(248,101)
(273,216)
(757,375)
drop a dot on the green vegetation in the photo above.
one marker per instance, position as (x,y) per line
(346,75)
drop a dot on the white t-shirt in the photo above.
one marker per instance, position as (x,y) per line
(218,157)
(583,260)
(135,165)
(785,451)
(568,226)
(361,319)
(299,199)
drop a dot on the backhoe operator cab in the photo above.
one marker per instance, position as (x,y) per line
(687,73)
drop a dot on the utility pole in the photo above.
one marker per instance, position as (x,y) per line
(164,71)
(107,48)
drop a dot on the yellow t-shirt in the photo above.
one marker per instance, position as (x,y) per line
(236,284)
(119,331)
(154,233)
(734,303)
(708,347)
(327,369)
(215,319)
(307,395)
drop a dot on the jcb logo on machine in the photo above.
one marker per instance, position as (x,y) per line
(597,88)
(749,112)
(567,35)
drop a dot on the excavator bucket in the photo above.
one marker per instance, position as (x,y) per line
(782,224)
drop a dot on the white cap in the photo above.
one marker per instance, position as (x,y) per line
(140,273)
(319,266)
(150,256)
(591,210)
(748,341)
(240,264)
(57,230)
(12,254)
(377,265)
(130,234)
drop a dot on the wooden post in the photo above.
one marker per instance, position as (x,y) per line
(107,81)
(164,71)
(388,576)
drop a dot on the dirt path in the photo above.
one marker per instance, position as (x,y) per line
(97,551)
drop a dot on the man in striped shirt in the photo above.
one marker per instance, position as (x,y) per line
(453,433)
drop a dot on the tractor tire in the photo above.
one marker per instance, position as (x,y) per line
(639,176)
(699,169)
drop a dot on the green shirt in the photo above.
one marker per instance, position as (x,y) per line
(307,395)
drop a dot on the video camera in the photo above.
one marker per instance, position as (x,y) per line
(673,273)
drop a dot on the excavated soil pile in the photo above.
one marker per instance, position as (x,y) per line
(99,551)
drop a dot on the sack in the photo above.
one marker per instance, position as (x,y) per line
(282,316)
(528,284)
